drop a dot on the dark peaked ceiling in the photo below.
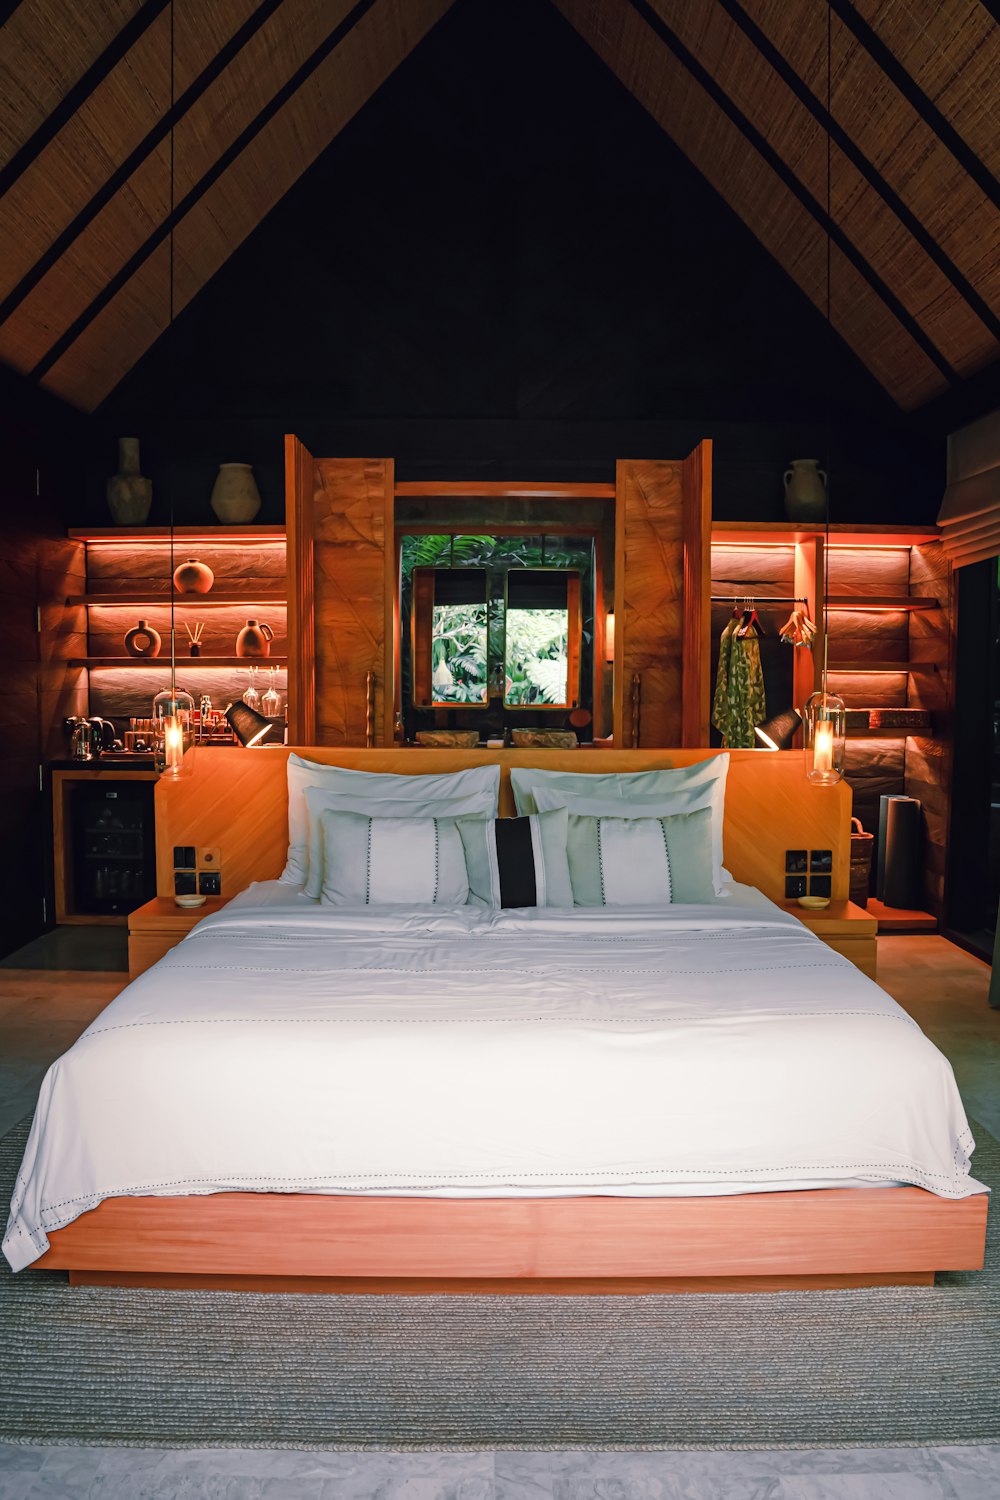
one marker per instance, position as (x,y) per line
(263,86)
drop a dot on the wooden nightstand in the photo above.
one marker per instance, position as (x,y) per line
(844,927)
(155,928)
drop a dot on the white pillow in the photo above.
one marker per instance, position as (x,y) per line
(373,784)
(625,785)
(517,861)
(640,861)
(319,800)
(664,806)
(392,861)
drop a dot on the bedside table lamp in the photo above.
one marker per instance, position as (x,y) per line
(778,732)
(249,727)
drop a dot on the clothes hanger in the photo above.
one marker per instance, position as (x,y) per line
(751,621)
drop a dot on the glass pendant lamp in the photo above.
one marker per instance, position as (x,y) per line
(824,723)
(173,713)
(824,716)
(173,708)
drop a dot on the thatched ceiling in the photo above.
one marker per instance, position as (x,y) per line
(262,87)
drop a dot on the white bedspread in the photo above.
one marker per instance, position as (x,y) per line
(291,1047)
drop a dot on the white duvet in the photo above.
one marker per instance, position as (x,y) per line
(290,1047)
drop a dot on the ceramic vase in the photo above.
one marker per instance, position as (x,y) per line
(235,497)
(805,491)
(130,494)
(193,577)
(142,640)
(254,639)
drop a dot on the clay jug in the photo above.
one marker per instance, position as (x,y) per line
(235,497)
(254,639)
(142,640)
(193,577)
(805,491)
(129,494)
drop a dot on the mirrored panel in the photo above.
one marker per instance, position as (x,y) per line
(542,631)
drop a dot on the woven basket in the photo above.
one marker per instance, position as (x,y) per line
(861,862)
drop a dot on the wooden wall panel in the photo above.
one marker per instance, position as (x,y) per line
(929,758)
(300,487)
(696,489)
(770,807)
(875,768)
(352,527)
(649,599)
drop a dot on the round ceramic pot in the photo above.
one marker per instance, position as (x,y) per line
(142,640)
(129,493)
(254,639)
(805,491)
(235,497)
(193,577)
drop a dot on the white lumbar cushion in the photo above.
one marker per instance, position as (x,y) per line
(392,861)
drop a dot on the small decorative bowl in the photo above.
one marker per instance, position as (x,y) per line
(190,901)
(813,903)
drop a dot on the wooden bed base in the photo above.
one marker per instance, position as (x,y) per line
(837,1237)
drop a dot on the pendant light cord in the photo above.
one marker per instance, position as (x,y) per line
(829,323)
(170,319)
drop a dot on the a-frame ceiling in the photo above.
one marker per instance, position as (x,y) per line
(261,87)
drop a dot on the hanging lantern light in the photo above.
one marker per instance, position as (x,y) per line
(824,723)
(824,716)
(173,715)
(173,708)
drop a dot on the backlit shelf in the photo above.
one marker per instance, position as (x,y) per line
(881,601)
(152,601)
(183,663)
(883,666)
(160,535)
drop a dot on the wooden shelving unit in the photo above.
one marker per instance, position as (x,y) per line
(188,663)
(880,602)
(216,598)
(884,666)
(128,572)
(891,644)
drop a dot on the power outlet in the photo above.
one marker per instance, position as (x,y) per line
(209,859)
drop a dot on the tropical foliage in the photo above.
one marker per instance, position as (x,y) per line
(459,660)
(473,642)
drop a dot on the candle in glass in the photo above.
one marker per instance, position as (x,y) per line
(823,746)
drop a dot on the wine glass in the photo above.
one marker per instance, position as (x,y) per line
(251,697)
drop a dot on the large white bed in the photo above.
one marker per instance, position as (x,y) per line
(289,1047)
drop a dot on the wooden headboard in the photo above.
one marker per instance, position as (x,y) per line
(236,801)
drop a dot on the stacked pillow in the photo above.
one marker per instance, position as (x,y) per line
(638,839)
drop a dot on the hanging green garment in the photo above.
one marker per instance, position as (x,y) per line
(720,701)
(739,704)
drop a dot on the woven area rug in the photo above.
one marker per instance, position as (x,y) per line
(787,1369)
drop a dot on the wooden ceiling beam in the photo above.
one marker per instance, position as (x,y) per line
(779,166)
(120,176)
(81,91)
(915,96)
(734,9)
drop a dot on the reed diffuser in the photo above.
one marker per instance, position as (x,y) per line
(194,637)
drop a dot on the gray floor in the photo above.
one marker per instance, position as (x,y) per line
(942,987)
(241,1474)
(87,948)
